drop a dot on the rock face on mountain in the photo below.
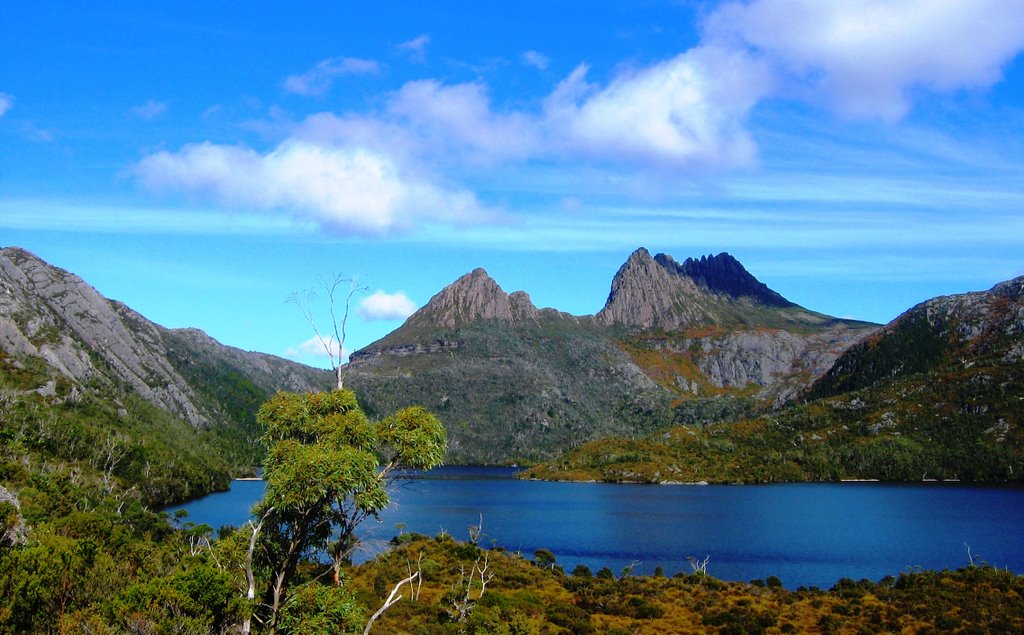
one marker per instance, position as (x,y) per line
(49,313)
(936,394)
(473,297)
(513,382)
(724,274)
(658,293)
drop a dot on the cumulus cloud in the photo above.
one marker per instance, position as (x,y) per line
(689,110)
(6,103)
(386,306)
(149,110)
(416,48)
(346,189)
(326,348)
(536,60)
(864,58)
(318,80)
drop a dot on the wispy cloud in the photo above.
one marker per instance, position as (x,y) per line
(36,134)
(318,80)
(386,306)
(6,103)
(415,48)
(35,214)
(315,347)
(536,59)
(459,117)
(149,110)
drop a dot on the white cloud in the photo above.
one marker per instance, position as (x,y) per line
(318,80)
(685,112)
(537,60)
(386,306)
(460,116)
(367,173)
(149,110)
(326,348)
(346,189)
(866,57)
(416,48)
(6,103)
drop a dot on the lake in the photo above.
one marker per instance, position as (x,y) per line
(806,534)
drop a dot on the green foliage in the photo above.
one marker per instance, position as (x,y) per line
(524,598)
(327,469)
(316,609)
(199,598)
(103,436)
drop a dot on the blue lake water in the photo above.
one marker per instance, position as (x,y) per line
(806,534)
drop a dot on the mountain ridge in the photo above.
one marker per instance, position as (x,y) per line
(668,333)
(935,394)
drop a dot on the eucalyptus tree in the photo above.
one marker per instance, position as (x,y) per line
(327,469)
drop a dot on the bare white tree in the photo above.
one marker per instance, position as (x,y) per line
(392,599)
(477,578)
(699,566)
(335,287)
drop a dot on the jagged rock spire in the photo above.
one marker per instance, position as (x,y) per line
(475,296)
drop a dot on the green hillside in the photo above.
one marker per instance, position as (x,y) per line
(937,394)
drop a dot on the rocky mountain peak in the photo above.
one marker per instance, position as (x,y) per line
(724,274)
(658,292)
(645,294)
(473,297)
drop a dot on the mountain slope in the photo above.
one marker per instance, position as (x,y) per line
(937,393)
(107,375)
(509,380)
(947,336)
(515,382)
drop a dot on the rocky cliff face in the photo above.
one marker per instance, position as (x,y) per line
(647,295)
(475,296)
(52,314)
(657,293)
(509,380)
(724,274)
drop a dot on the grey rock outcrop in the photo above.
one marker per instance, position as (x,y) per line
(14,530)
(646,295)
(473,297)
(50,313)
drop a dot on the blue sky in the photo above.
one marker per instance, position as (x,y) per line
(200,163)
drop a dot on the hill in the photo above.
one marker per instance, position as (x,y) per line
(513,382)
(91,385)
(936,394)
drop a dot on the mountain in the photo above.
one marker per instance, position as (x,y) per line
(513,382)
(509,380)
(110,374)
(980,334)
(936,394)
